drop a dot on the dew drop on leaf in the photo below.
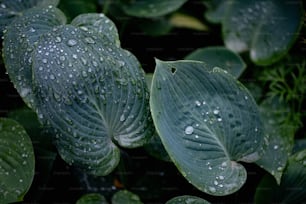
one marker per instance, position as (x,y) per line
(188,130)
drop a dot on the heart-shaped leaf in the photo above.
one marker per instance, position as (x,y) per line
(281,136)
(19,42)
(16,161)
(267,29)
(92,198)
(151,8)
(207,122)
(10,9)
(292,186)
(125,197)
(93,95)
(99,23)
(186,199)
(219,57)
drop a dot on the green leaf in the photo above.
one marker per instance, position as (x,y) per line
(16,161)
(292,187)
(150,8)
(281,138)
(10,9)
(125,197)
(19,42)
(93,95)
(208,122)
(300,144)
(267,29)
(216,10)
(187,199)
(99,23)
(92,198)
(181,20)
(219,57)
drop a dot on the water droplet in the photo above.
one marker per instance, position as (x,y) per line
(216,112)
(189,130)
(44,61)
(212,189)
(58,39)
(32,30)
(216,182)
(62,58)
(198,103)
(20,180)
(221,177)
(52,77)
(275,147)
(246,97)
(122,118)
(72,42)
(89,40)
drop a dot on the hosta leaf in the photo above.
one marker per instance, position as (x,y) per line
(292,186)
(125,197)
(266,28)
(219,57)
(281,136)
(216,10)
(207,122)
(19,42)
(16,161)
(151,8)
(186,199)
(93,95)
(92,198)
(10,9)
(99,23)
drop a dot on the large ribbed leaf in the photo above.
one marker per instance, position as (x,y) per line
(19,42)
(267,29)
(292,186)
(10,9)
(99,23)
(92,94)
(16,161)
(219,57)
(151,8)
(208,122)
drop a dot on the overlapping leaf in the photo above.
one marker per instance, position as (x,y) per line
(151,8)
(186,199)
(10,9)
(92,94)
(219,57)
(267,29)
(16,161)
(208,122)
(19,43)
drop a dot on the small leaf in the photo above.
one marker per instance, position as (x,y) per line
(125,197)
(92,198)
(292,186)
(267,29)
(10,9)
(99,23)
(187,199)
(16,161)
(219,57)
(19,42)
(186,21)
(150,8)
(207,122)
(93,95)
(281,136)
